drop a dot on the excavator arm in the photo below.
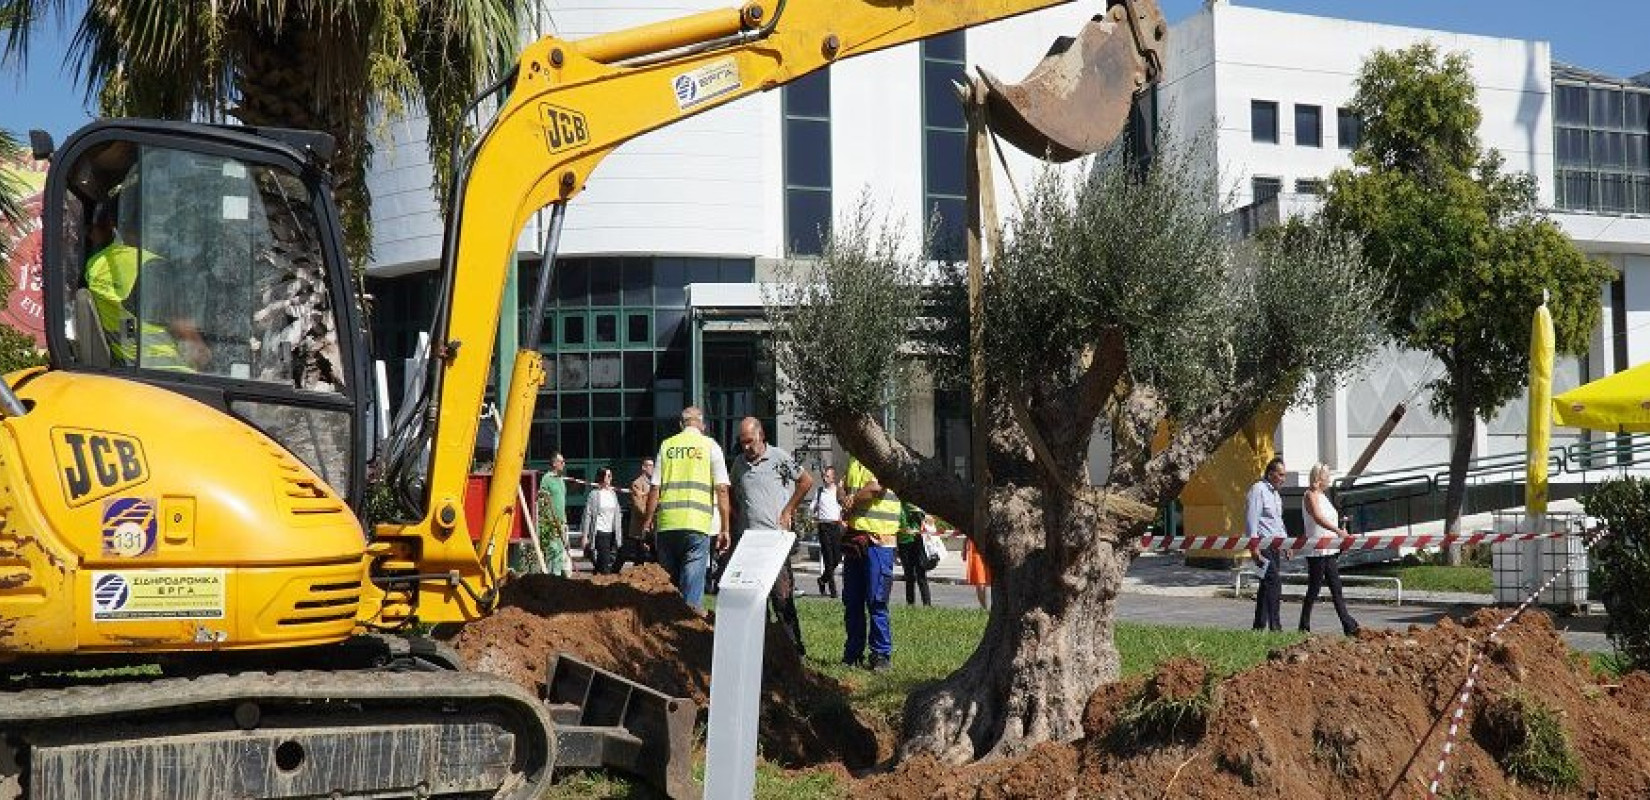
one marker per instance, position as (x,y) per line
(570,104)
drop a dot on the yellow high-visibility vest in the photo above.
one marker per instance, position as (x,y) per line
(882,516)
(685,490)
(110,275)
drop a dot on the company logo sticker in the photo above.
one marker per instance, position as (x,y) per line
(95,464)
(158,594)
(563,127)
(128,527)
(706,83)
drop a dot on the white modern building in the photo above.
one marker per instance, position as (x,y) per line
(657,287)
(1268,93)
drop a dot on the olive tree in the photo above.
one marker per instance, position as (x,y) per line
(1117,306)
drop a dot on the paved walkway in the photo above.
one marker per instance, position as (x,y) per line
(1161,589)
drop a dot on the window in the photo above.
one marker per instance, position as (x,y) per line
(807,110)
(1572,147)
(1263,121)
(1605,108)
(1308,126)
(1308,186)
(1572,104)
(1349,129)
(1266,188)
(944,144)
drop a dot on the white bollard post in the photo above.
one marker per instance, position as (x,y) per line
(736,662)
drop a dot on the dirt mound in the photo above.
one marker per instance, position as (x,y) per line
(1335,717)
(636,625)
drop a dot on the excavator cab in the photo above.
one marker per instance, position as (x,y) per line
(205,260)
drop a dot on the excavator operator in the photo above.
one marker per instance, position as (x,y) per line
(111,273)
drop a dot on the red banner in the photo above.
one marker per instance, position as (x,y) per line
(25,308)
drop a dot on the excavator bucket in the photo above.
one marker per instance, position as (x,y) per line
(1079,97)
(604,721)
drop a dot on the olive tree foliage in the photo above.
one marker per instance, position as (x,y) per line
(1621,564)
(1118,305)
(1469,250)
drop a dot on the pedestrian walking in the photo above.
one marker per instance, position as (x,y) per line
(1321,566)
(636,549)
(768,485)
(553,515)
(601,522)
(1263,520)
(913,557)
(691,484)
(868,568)
(827,510)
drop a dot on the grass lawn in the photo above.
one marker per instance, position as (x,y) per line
(928,644)
(1429,578)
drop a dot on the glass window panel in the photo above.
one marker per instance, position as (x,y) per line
(638,329)
(807,215)
(951,229)
(572,328)
(638,438)
(1309,186)
(604,404)
(1607,149)
(606,371)
(606,442)
(638,404)
(1605,107)
(607,329)
(807,153)
(638,369)
(1638,151)
(574,439)
(940,106)
(1572,104)
(703,270)
(738,270)
(1266,188)
(1572,147)
(1578,190)
(945,162)
(666,324)
(575,405)
(1308,126)
(545,408)
(1348,129)
(672,365)
(572,371)
(667,406)
(604,281)
(1638,111)
(668,282)
(1263,121)
(637,277)
(1641,195)
(810,95)
(952,46)
(572,280)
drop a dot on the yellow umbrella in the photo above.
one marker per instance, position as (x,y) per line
(1540,428)
(1620,402)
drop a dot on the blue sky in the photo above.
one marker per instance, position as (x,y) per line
(1604,35)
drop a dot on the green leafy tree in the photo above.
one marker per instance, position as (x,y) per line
(1117,303)
(1621,564)
(327,66)
(1470,254)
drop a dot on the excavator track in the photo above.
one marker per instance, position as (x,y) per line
(288,735)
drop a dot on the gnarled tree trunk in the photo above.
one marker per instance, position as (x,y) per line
(1049,642)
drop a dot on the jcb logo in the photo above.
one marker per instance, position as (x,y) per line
(562,128)
(96,464)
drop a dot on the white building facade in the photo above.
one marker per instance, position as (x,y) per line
(1267,91)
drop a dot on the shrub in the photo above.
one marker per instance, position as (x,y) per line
(1621,564)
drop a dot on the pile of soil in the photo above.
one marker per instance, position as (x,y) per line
(636,625)
(1335,717)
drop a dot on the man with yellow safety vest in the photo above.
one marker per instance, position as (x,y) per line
(691,482)
(868,566)
(112,271)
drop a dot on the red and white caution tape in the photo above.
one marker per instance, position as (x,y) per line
(1471,683)
(1353,542)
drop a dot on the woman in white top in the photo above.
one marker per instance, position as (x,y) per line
(601,522)
(1321,520)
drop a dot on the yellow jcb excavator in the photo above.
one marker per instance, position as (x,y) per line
(183,487)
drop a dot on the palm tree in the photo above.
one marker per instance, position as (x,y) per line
(329,65)
(11,201)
